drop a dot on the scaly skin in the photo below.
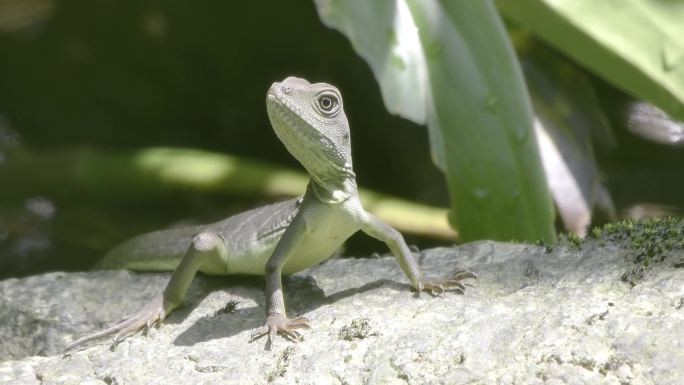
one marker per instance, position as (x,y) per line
(278,239)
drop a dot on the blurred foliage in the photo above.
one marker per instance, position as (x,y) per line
(123,77)
(568,120)
(450,64)
(164,172)
(635,44)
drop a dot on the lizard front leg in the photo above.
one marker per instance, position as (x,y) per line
(204,247)
(378,229)
(276,316)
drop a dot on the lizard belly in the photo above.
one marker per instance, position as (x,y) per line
(253,260)
(327,228)
(315,248)
(327,233)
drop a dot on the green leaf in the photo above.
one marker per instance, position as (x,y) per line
(635,44)
(450,64)
(384,34)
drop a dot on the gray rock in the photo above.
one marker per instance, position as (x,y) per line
(538,315)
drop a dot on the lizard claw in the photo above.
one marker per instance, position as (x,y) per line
(464,274)
(280,324)
(153,313)
(454,282)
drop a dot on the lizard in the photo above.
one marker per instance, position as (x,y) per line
(276,239)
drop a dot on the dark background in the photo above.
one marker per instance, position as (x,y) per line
(116,75)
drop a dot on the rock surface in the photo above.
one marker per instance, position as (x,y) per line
(538,315)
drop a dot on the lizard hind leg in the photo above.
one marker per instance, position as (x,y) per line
(205,247)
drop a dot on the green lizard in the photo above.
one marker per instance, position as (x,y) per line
(277,239)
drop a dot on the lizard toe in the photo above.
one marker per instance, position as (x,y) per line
(280,324)
(152,313)
(454,283)
(464,274)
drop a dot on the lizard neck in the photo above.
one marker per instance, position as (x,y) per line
(334,191)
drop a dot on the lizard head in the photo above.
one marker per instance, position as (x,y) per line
(310,121)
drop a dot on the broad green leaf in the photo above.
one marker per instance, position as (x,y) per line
(449,64)
(635,44)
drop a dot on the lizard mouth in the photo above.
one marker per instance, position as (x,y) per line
(279,90)
(275,97)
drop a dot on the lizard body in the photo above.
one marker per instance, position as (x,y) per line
(249,238)
(277,239)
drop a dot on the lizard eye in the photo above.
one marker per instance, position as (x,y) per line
(328,104)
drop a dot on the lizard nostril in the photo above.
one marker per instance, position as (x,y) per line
(287,90)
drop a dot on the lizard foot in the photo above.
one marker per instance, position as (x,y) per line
(280,324)
(454,282)
(153,313)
